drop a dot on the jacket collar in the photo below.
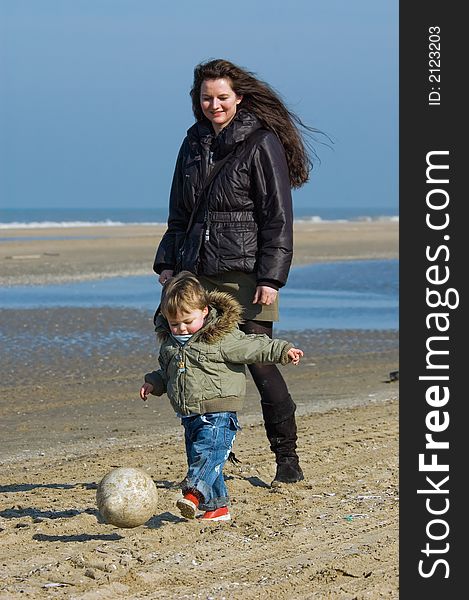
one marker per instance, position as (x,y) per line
(224,315)
(240,128)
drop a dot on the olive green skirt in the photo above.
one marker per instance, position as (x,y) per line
(242,286)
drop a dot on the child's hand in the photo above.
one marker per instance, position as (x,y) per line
(146,389)
(294,354)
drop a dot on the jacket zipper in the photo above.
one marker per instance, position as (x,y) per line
(183,386)
(181,360)
(207,212)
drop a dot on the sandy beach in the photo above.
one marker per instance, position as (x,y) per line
(69,414)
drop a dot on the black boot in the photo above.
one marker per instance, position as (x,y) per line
(288,470)
(282,437)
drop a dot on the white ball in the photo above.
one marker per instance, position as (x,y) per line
(126,497)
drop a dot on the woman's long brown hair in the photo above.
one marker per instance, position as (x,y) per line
(266,104)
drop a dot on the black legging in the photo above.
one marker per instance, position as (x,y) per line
(277,404)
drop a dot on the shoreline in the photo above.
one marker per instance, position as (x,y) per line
(88,347)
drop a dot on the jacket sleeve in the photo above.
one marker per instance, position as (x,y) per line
(271,185)
(178,218)
(246,349)
(158,381)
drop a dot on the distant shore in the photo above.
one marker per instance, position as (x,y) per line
(42,256)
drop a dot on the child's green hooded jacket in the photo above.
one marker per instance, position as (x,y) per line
(207,374)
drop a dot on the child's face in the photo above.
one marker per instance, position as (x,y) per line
(187,322)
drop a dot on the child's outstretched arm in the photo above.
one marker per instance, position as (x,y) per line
(246,349)
(294,354)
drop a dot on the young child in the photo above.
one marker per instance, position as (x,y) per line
(202,357)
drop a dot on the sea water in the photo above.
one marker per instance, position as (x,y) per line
(40,218)
(356,294)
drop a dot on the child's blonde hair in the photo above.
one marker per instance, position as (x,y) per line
(182,294)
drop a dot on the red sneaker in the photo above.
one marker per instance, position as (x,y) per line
(188,505)
(219,514)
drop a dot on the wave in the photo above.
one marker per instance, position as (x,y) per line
(364,218)
(112,223)
(69,224)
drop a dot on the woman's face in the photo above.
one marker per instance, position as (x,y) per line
(218,102)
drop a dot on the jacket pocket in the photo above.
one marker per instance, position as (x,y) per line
(233,381)
(230,431)
(237,246)
(206,377)
(237,239)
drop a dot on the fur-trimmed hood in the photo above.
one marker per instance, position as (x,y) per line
(224,315)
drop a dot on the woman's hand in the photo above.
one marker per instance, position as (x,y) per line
(165,275)
(264,295)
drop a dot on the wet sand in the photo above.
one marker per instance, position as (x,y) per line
(69,412)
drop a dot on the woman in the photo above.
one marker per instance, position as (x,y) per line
(237,233)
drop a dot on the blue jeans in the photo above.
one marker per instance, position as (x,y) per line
(209,439)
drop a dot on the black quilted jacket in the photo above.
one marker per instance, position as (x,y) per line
(245,220)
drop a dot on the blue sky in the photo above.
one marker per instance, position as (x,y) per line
(94,94)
